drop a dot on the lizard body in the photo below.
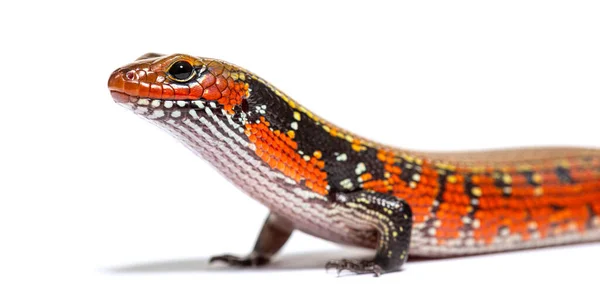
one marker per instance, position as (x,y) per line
(328,182)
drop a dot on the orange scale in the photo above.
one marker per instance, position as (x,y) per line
(207,80)
(418,218)
(463,199)
(211,93)
(168,92)
(457,210)
(451,188)
(498,202)
(512,204)
(272,162)
(196,90)
(480,214)
(421,210)
(321,164)
(456,218)
(448,197)
(310,185)
(476,180)
(444,206)
(227,93)
(424,202)
(465,210)
(223,101)
(489,191)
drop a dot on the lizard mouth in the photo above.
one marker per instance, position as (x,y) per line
(120,97)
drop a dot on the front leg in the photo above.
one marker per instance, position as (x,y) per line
(391,216)
(273,235)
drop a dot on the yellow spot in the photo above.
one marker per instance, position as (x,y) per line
(297,116)
(408,158)
(349,139)
(308,113)
(476,191)
(306,157)
(451,179)
(291,134)
(356,147)
(537,178)
(326,128)
(242,76)
(234,76)
(412,184)
(444,166)
(402,256)
(284,97)
(317,154)
(538,191)
(395,233)
(363,200)
(507,179)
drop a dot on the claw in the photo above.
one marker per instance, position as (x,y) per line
(358,267)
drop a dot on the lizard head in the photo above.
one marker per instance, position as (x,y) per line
(156,82)
(231,117)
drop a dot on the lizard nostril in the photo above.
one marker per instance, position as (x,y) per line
(131,75)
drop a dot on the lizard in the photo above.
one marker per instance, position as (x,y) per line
(318,178)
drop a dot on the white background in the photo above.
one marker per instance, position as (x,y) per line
(98,204)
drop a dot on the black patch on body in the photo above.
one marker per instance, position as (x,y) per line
(500,184)
(310,137)
(529,176)
(564,175)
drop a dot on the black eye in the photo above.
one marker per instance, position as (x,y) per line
(181,71)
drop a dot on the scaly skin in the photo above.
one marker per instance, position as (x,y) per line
(323,180)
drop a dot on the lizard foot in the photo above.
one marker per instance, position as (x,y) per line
(237,261)
(356,266)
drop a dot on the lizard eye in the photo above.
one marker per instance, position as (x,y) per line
(181,71)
